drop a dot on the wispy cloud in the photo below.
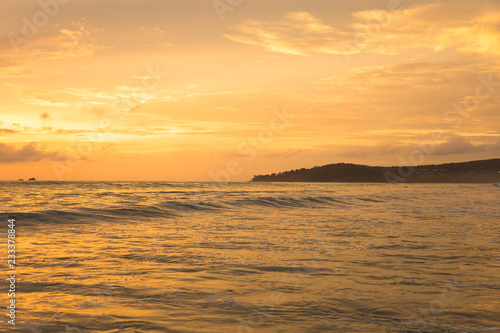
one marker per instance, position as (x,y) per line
(467,28)
(74,41)
(13,69)
(298,33)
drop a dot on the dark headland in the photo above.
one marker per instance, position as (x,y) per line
(484,171)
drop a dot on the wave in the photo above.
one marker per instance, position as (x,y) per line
(175,208)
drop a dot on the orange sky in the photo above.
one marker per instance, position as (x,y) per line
(221,90)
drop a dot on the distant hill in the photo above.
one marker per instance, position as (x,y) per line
(485,171)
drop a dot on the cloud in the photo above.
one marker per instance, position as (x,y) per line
(30,95)
(411,94)
(13,69)
(467,28)
(457,145)
(298,33)
(44,116)
(7,131)
(121,97)
(283,153)
(96,110)
(76,41)
(30,152)
(4,63)
(460,145)
(378,150)
(17,51)
(43,101)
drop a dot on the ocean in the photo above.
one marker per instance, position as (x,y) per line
(253,257)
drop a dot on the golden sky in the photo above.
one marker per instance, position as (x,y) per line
(206,90)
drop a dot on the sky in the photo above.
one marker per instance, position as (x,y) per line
(221,90)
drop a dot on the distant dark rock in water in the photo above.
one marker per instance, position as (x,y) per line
(20,180)
(33,179)
(484,171)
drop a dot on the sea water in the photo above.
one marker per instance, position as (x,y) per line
(253,257)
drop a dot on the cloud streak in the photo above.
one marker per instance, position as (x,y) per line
(73,42)
(298,33)
(466,28)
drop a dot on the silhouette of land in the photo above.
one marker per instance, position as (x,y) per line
(484,171)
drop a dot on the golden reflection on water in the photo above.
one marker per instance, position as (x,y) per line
(395,263)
